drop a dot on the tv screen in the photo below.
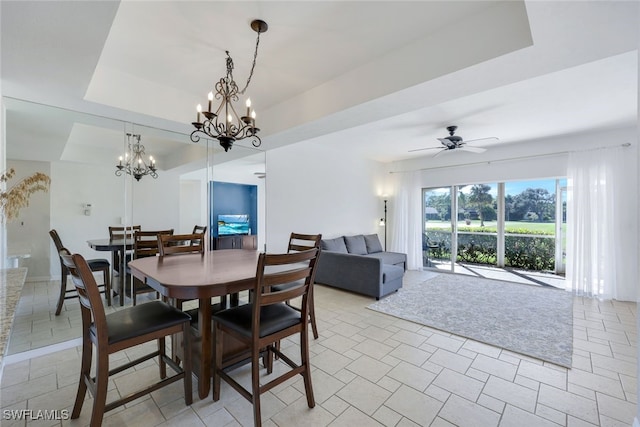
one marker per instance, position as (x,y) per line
(229,225)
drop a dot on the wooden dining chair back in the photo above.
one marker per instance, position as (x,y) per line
(266,320)
(145,244)
(98,265)
(172,244)
(302,242)
(118,331)
(119,232)
(199,229)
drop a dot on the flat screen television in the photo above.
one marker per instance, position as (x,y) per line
(229,225)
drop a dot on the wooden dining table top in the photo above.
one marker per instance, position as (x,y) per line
(110,244)
(195,276)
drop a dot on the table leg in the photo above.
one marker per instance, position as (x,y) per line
(206,352)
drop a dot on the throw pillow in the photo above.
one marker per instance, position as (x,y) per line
(334,245)
(373,243)
(356,244)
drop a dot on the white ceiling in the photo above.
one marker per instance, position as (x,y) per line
(377,78)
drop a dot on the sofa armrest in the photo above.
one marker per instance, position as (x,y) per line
(349,271)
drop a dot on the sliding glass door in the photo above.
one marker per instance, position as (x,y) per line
(518,224)
(438,227)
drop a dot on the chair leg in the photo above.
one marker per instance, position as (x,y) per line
(163,353)
(306,374)
(107,285)
(312,317)
(255,387)
(100,397)
(217,360)
(85,373)
(63,290)
(188,378)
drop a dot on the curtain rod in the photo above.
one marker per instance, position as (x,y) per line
(488,162)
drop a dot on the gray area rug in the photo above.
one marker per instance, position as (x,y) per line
(531,320)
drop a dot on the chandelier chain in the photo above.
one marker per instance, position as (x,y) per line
(253,66)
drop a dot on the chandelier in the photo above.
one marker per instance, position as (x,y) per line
(135,165)
(225,124)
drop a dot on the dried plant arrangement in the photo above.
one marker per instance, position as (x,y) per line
(17,196)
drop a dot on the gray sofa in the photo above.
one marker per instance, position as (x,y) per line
(358,264)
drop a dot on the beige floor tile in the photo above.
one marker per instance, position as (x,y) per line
(543,374)
(596,382)
(450,360)
(494,367)
(352,417)
(569,403)
(461,412)
(369,368)
(414,405)
(516,417)
(411,375)
(364,395)
(459,384)
(410,354)
(617,409)
(511,393)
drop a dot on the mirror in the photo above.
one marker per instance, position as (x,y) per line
(80,152)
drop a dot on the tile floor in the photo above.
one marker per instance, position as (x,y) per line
(369,369)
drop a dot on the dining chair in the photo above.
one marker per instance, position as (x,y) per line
(302,242)
(121,233)
(199,229)
(97,264)
(118,331)
(172,244)
(145,244)
(266,320)
(177,244)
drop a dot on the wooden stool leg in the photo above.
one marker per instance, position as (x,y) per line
(255,387)
(100,397)
(63,290)
(85,372)
(306,375)
(107,285)
(163,352)
(188,377)
(312,316)
(217,361)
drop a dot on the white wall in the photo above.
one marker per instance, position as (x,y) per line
(156,205)
(312,189)
(28,234)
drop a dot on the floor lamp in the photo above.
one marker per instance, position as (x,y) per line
(383,223)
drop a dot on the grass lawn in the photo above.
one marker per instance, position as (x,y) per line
(546,227)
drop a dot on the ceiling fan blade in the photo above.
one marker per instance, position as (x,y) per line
(424,149)
(483,139)
(443,150)
(472,149)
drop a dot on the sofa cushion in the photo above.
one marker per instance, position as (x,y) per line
(356,244)
(373,243)
(334,245)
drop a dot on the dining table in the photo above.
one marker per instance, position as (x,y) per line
(120,246)
(202,277)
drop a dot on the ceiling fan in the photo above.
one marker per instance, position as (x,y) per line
(455,142)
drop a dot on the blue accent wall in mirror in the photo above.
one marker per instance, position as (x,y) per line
(239,200)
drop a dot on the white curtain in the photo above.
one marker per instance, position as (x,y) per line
(601,206)
(406,227)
